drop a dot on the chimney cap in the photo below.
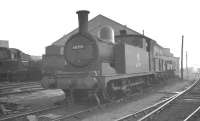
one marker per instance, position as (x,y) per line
(83,11)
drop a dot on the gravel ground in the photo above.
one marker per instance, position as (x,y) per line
(146,100)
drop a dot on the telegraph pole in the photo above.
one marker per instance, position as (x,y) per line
(186,64)
(182,58)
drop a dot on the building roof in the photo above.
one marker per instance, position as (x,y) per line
(95,25)
(4,43)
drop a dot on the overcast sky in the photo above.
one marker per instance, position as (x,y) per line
(31,25)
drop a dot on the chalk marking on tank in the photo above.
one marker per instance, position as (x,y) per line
(138,63)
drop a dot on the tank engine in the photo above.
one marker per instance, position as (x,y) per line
(105,66)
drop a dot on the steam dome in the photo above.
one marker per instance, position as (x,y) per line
(107,34)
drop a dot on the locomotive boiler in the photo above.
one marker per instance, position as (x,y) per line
(104,66)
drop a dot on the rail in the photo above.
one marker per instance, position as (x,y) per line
(22,91)
(194,115)
(4,87)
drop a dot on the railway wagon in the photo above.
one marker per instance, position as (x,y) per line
(164,63)
(104,66)
(17,66)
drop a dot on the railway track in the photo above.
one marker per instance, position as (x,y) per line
(10,86)
(14,89)
(21,91)
(17,83)
(23,116)
(140,114)
(66,116)
(66,113)
(80,113)
(185,106)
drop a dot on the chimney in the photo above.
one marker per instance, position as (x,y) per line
(123,32)
(83,20)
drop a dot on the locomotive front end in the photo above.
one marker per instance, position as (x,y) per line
(86,56)
(81,53)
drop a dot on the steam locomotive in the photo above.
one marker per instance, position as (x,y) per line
(108,66)
(17,66)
